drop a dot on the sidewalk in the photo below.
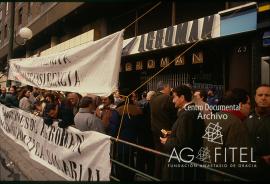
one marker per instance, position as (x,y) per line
(29,168)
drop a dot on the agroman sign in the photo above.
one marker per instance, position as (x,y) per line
(187,32)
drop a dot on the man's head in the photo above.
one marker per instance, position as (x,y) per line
(3,90)
(144,94)
(86,102)
(134,97)
(106,101)
(116,94)
(262,96)
(200,96)
(12,90)
(38,105)
(73,98)
(164,87)
(211,92)
(149,95)
(181,96)
(52,110)
(49,97)
(239,97)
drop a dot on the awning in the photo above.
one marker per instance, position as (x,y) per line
(231,21)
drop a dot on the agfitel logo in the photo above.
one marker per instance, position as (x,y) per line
(204,155)
(213,135)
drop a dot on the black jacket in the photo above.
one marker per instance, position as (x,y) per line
(11,100)
(187,131)
(65,116)
(2,98)
(163,112)
(259,132)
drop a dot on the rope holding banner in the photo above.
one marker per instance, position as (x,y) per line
(127,97)
(122,117)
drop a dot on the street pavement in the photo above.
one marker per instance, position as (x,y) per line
(28,168)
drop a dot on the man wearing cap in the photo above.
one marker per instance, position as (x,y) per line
(163,115)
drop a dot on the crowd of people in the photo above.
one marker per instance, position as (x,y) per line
(159,120)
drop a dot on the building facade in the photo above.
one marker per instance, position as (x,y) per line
(213,62)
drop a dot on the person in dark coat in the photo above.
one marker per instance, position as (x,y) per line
(51,113)
(3,95)
(146,160)
(163,115)
(212,98)
(258,125)
(231,133)
(61,112)
(132,118)
(11,99)
(66,114)
(187,131)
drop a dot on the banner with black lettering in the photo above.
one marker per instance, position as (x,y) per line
(204,28)
(74,155)
(89,68)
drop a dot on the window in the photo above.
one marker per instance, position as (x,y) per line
(20,15)
(5,32)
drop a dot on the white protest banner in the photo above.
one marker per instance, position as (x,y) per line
(74,155)
(89,68)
